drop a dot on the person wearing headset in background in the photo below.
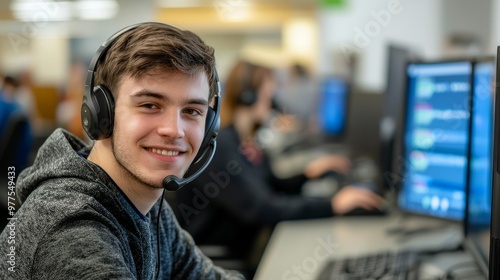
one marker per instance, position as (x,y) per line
(95,212)
(238,195)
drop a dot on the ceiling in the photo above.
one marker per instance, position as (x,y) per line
(160,5)
(208,3)
(212,16)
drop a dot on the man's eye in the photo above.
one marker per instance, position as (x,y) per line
(193,112)
(149,106)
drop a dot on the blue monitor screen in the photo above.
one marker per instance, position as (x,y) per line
(480,177)
(435,139)
(333,106)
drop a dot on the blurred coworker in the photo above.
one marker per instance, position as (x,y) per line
(15,128)
(296,103)
(298,96)
(15,148)
(68,111)
(238,196)
(7,109)
(19,90)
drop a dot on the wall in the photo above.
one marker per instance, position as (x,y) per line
(362,28)
(468,19)
(34,45)
(365,28)
(495,23)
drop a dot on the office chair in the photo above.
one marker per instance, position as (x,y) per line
(15,143)
(15,147)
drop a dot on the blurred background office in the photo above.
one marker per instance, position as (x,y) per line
(45,44)
(313,46)
(45,47)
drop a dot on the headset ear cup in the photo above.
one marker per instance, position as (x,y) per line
(89,118)
(98,113)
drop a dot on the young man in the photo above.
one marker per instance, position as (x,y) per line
(93,212)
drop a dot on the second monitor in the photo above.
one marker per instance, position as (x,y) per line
(435,139)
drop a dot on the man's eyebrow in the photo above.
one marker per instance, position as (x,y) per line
(198,101)
(147,93)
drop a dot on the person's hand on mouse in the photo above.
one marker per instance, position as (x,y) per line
(351,197)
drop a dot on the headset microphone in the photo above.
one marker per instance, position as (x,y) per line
(173,183)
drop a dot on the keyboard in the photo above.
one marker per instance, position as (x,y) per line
(389,265)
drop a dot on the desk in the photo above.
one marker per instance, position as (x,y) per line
(297,250)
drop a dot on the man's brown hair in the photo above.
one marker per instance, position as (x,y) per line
(152,46)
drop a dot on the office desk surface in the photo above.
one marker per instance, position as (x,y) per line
(299,249)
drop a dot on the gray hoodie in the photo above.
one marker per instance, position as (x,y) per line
(75,223)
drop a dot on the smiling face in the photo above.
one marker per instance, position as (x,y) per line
(159,126)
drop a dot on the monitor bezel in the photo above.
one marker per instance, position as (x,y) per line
(494,258)
(469,243)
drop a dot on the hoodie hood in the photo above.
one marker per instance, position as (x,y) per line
(58,158)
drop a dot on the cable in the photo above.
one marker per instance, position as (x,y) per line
(158,236)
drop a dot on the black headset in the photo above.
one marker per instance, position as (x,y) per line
(97,114)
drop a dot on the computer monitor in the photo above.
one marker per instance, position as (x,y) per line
(435,139)
(392,110)
(494,261)
(333,105)
(477,218)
